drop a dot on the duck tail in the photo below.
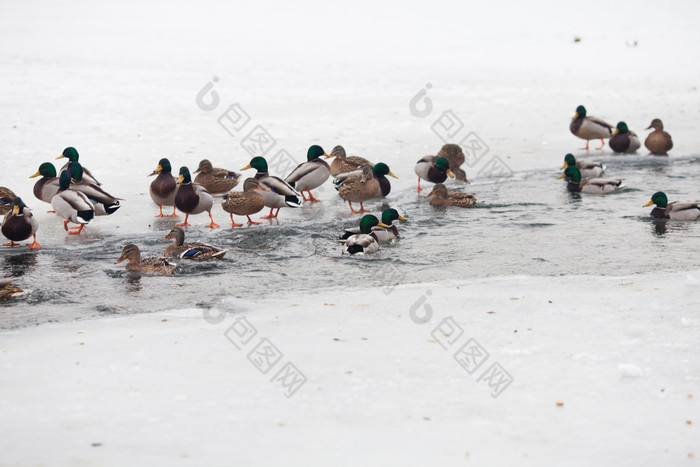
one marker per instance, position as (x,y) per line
(345,236)
(220,254)
(84,217)
(355,249)
(112,207)
(292,201)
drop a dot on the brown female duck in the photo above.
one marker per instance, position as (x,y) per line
(246,202)
(215,180)
(156,265)
(193,250)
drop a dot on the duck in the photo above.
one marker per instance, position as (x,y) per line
(215,180)
(360,186)
(442,197)
(366,241)
(589,128)
(673,210)
(280,194)
(6,197)
(433,169)
(624,140)
(588,169)
(71,154)
(164,187)
(73,206)
(311,174)
(47,186)
(19,224)
(658,142)
(105,204)
(194,250)
(382,234)
(599,186)
(344,164)
(192,198)
(455,156)
(132,253)
(246,202)
(9,290)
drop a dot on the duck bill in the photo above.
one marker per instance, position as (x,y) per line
(649,127)
(60,157)
(180,179)
(648,204)
(575,116)
(167,237)
(327,156)
(564,166)
(381,224)
(401,218)
(35,175)
(247,167)
(119,260)
(15,210)
(449,173)
(432,193)
(615,132)
(156,171)
(561,176)
(392,175)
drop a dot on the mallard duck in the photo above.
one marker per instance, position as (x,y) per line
(164,187)
(72,155)
(382,234)
(658,142)
(588,169)
(246,202)
(589,128)
(379,172)
(281,194)
(47,186)
(192,198)
(73,206)
(433,169)
(19,224)
(344,164)
(674,210)
(105,204)
(216,181)
(157,265)
(624,140)
(9,290)
(455,156)
(310,174)
(366,241)
(6,197)
(598,186)
(194,250)
(442,197)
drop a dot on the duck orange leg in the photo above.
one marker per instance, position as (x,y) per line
(65,225)
(185,223)
(419,188)
(160,206)
(76,230)
(352,210)
(362,208)
(10,244)
(311,197)
(250,221)
(271,216)
(586,148)
(233,223)
(34,244)
(213,224)
(602,143)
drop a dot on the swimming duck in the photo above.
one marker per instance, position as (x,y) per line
(157,265)
(360,186)
(588,169)
(72,155)
(280,194)
(105,204)
(442,197)
(454,155)
(73,206)
(9,290)
(246,202)
(6,197)
(658,142)
(310,174)
(47,186)
(192,198)
(599,186)
(366,241)
(193,250)
(433,169)
(216,181)
(164,187)
(624,140)
(344,164)
(382,234)
(19,224)
(674,210)
(589,128)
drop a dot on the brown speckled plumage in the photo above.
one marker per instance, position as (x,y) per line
(359,188)
(658,142)
(6,195)
(343,164)
(8,290)
(455,156)
(155,265)
(442,197)
(215,180)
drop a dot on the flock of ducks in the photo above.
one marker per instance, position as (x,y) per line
(77,197)
(583,176)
